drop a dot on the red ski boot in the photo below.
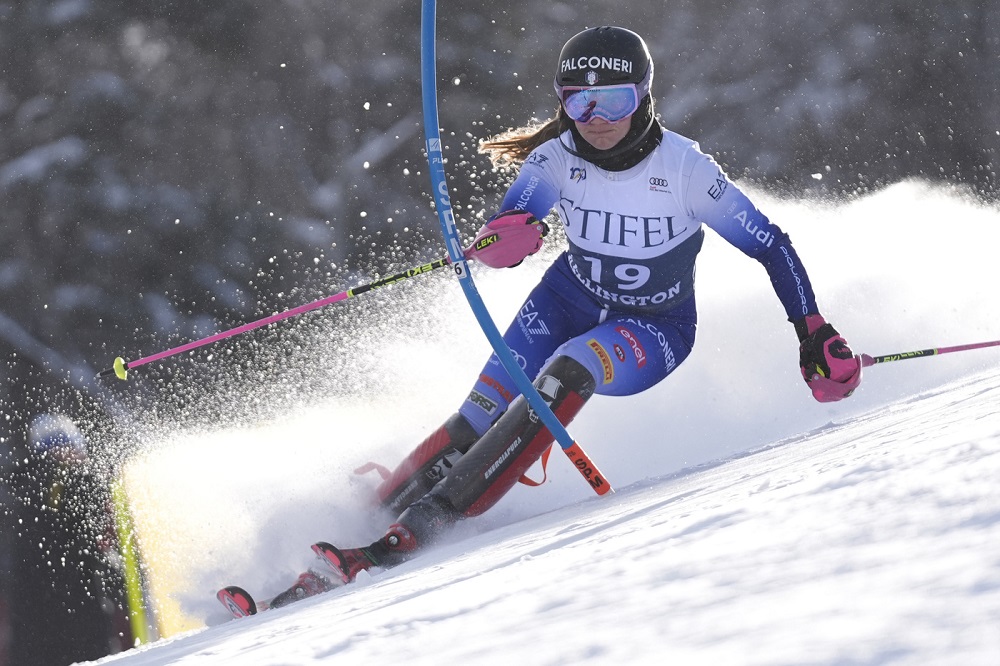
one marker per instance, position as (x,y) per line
(309,584)
(240,604)
(392,549)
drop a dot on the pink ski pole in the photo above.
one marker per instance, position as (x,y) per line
(867,360)
(121,366)
(497,244)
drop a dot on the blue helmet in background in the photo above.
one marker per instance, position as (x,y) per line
(56,434)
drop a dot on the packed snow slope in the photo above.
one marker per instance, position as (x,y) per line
(750,525)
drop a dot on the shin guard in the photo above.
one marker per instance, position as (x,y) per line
(427,464)
(494,464)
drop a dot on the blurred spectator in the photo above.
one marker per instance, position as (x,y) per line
(65,593)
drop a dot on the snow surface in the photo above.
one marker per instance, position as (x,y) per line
(750,525)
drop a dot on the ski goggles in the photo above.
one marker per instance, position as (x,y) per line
(612,103)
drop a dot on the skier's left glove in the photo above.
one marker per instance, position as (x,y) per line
(507,239)
(828,365)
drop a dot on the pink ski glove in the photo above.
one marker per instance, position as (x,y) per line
(507,239)
(828,365)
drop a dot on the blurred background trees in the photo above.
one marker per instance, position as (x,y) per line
(169,168)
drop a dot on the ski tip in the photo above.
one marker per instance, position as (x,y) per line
(237,601)
(333,557)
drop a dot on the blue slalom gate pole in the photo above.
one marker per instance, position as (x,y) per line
(435,161)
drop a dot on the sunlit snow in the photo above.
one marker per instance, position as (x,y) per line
(751,525)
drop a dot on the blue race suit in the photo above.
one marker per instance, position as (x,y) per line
(620,300)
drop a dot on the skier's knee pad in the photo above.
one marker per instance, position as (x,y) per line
(570,373)
(427,464)
(494,464)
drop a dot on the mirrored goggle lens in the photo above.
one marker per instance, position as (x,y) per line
(612,103)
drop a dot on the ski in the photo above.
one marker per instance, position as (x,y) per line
(333,557)
(238,601)
(241,603)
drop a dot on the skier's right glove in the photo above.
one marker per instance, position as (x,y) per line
(507,239)
(828,365)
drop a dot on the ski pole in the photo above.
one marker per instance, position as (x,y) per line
(867,360)
(121,366)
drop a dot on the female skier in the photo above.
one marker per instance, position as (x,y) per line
(615,313)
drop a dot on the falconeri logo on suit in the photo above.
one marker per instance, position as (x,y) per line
(668,354)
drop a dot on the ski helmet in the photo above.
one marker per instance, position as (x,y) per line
(56,434)
(605,56)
